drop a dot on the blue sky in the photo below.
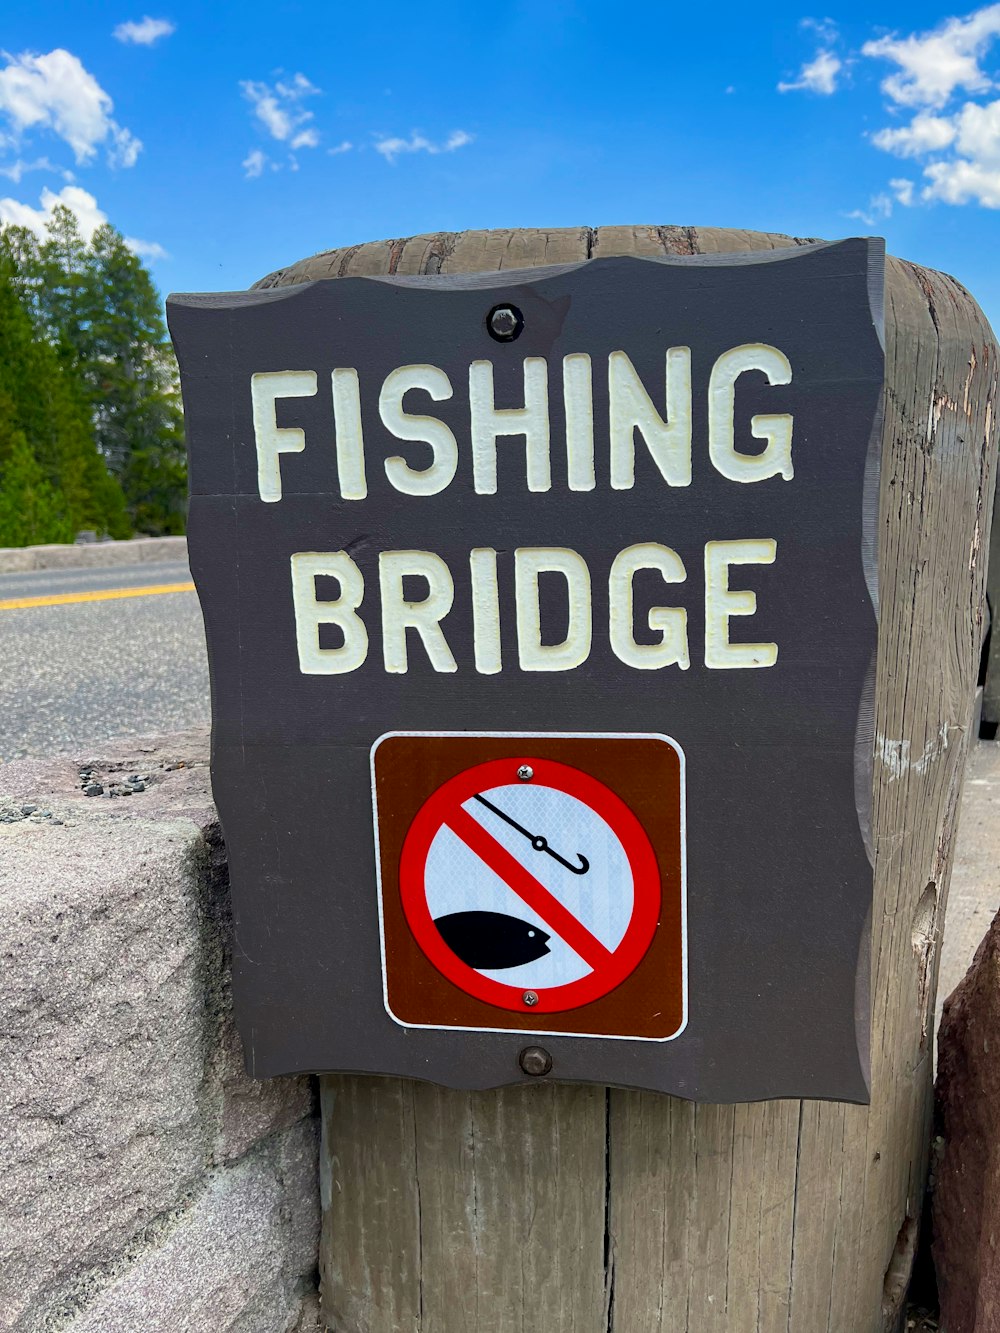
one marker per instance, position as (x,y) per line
(228,139)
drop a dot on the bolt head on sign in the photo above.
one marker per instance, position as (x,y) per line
(539,609)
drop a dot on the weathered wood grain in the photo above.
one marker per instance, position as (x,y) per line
(571,1210)
(463,1212)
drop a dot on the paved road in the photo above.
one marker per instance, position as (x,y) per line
(80,672)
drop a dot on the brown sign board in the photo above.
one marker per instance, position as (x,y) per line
(540,610)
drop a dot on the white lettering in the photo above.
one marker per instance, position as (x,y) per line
(578,399)
(271,439)
(488,422)
(775,428)
(350,438)
(399,615)
(311,613)
(485,611)
(721,603)
(631,409)
(533,655)
(669,621)
(435,383)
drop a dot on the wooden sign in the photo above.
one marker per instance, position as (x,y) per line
(540,614)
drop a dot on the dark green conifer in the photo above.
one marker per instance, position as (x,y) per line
(97,307)
(53,480)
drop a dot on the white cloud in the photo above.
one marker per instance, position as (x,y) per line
(268,111)
(390,148)
(125,148)
(903,190)
(146,249)
(959,149)
(962,182)
(961,154)
(825,29)
(972,174)
(879,208)
(15,171)
(279,109)
(933,65)
(816,76)
(344,147)
(84,207)
(457,139)
(80,203)
(254,164)
(820,74)
(924,134)
(55,92)
(145,32)
(978,132)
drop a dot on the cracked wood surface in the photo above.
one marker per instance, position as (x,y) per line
(576,1210)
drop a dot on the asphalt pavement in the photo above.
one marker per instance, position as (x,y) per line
(78,672)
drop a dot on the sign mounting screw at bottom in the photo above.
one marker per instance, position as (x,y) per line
(535,1060)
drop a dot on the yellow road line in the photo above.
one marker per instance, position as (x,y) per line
(98,595)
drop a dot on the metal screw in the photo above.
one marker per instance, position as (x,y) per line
(530,998)
(504,323)
(525,773)
(535,1060)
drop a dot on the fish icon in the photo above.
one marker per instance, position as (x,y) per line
(490,940)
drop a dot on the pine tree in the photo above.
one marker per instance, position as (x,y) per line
(136,395)
(31,511)
(98,307)
(53,481)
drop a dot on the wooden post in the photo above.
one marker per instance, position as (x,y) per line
(581,1210)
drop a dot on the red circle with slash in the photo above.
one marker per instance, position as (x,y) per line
(609,967)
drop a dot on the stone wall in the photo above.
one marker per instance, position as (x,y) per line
(146,1183)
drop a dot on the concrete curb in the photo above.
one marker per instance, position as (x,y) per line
(90,555)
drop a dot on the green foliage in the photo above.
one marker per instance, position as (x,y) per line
(95,305)
(31,511)
(53,481)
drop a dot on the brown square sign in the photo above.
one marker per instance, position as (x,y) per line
(532,883)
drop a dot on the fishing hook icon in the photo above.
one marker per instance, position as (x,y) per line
(539,843)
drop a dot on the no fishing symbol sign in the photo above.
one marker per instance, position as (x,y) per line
(526,892)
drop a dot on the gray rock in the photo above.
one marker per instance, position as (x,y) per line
(252,1109)
(123,1076)
(101,1041)
(230,1264)
(296,1157)
(102,1029)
